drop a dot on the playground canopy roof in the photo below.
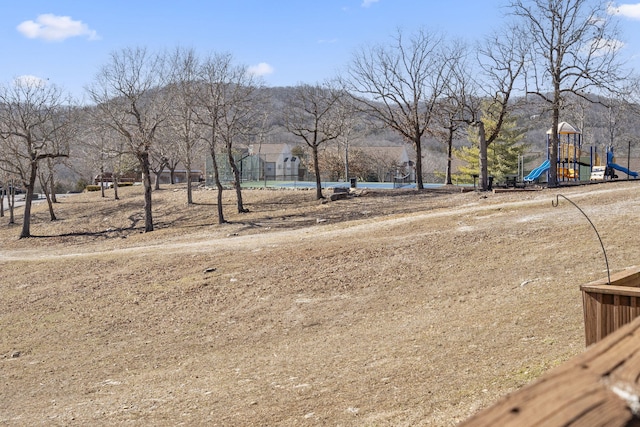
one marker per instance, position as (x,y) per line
(565,128)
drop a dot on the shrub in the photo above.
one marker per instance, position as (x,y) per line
(81,184)
(92,188)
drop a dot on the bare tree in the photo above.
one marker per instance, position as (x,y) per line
(182,119)
(331,160)
(448,123)
(36,123)
(120,161)
(92,148)
(487,96)
(106,151)
(168,150)
(382,164)
(46,175)
(227,106)
(347,114)
(312,113)
(213,76)
(239,118)
(3,194)
(128,92)
(8,191)
(574,50)
(400,85)
(159,161)
(618,113)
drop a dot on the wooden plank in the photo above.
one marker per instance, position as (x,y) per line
(617,310)
(629,277)
(635,307)
(611,290)
(625,305)
(600,318)
(526,404)
(606,362)
(590,305)
(585,391)
(597,409)
(609,413)
(627,373)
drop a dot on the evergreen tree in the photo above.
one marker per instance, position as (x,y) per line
(502,154)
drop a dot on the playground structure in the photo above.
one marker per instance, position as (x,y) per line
(574,163)
(612,166)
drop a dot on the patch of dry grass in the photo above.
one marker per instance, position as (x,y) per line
(391,308)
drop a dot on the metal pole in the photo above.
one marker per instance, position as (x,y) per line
(629,161)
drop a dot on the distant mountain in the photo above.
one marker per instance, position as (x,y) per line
(601,126)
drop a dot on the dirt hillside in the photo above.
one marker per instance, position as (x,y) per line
(388,308)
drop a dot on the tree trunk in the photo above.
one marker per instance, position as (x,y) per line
(26,222)
(47,195)
(146,180)
(102,181)
(216,177)
(554,141)
(220,188)
(236,180)
(115,187)
(316,169)
(189,187)
(52,214)
(3,193)
(417,143)
(157,180)
(346,161)
(449,158)
(11,203)
(484,168)
(52,182)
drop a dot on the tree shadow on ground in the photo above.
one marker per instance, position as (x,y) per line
(109,233)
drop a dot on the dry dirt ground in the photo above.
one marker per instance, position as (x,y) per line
(397,308)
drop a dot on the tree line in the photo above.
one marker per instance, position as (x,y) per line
(151,111)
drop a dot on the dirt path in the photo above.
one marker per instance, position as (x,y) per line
(236,241)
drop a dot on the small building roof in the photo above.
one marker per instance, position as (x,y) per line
(565,128)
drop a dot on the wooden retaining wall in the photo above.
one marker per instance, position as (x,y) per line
(607,307)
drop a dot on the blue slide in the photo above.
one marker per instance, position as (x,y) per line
(624,170)
(618,167)
(535,174)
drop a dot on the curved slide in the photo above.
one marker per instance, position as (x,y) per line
(535,174)
(623,170)
(618,167)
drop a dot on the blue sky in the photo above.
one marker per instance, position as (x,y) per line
(287,41)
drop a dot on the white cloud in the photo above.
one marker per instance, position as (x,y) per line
(603,47)
(627,10)
(262,69)
(367,3)
(29,81)
(51,27)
